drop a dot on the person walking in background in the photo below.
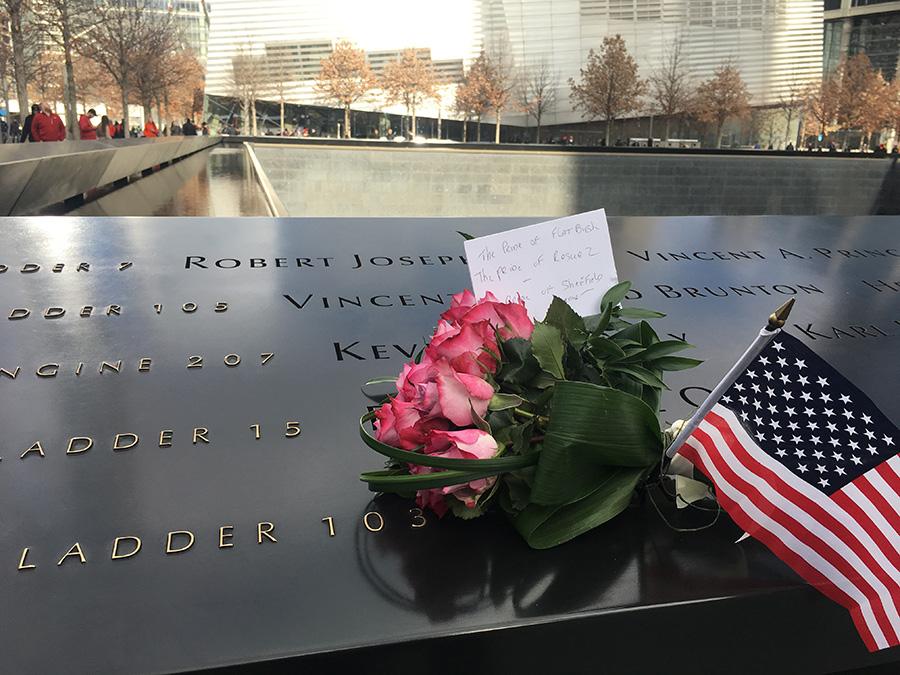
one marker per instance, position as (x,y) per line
(47,125)
(150,129)
(87,128)
(120,129)
(188,129)
(204,129)
(104,129)
(26,127)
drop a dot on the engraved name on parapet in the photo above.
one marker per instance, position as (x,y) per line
(59,268)
(88,311)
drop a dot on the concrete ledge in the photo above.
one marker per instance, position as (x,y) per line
(36,175)
(345,180)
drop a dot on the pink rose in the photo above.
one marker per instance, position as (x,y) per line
(459,305)
(431,395)
(465,347)
(416,383)
(509,318)
(463,444)
(460,393)
(400,424)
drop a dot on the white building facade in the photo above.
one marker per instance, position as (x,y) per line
(776,44)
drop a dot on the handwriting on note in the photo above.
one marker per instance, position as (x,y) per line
(570,257)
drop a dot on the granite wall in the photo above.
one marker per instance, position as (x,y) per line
(400,181)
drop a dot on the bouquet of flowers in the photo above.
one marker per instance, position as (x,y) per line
(555,422)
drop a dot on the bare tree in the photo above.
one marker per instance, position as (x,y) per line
(278,77)
(790,102)
(722,96)
(345,78)
(821,100)
(161,69)
(6,78)
(609,86)
(20,38)
(470,95)
(670,85)
(123,41)
(67,22)
(409,80)
(500,82)
(537,93)
(247,82)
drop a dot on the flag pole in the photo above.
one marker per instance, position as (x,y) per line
(772,328)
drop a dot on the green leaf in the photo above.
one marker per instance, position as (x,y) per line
(640,374)
(465,235)
(500,401)
(638,313)
(381,380)
(615,295)
(547,526)
(604,348)
(591,429)
(462,511)
(548,347)
(659,349)
(390,481)
(519,365)
(603,321)
(479,421)
(675,363)
(562,316)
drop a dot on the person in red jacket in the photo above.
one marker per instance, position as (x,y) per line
(47,126)
(88,130)
(150,129)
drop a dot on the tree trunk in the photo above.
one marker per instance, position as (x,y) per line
(608,127)
(281,117)
(412,132)
(124,94)
(73,131)
(465,128)
(478,130)
(19,68)
(719,134)
(668,122)
(497,128)
(537,133)
(253,127)
(787,129)
(346,121)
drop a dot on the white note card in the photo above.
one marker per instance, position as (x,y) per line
(569,257)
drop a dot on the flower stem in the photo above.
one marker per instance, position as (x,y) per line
(531,416)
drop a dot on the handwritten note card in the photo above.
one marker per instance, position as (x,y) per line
(570,257)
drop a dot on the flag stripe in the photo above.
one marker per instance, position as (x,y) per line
(817,519)
(888,556)
(884,478)
(854,503)
(802,525)
(783,544)
(872,485)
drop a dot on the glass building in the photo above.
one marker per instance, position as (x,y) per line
(871,27)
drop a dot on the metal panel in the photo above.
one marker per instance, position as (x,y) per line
(448,597)
(60,170)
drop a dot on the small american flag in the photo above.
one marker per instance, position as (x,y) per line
(804,461)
